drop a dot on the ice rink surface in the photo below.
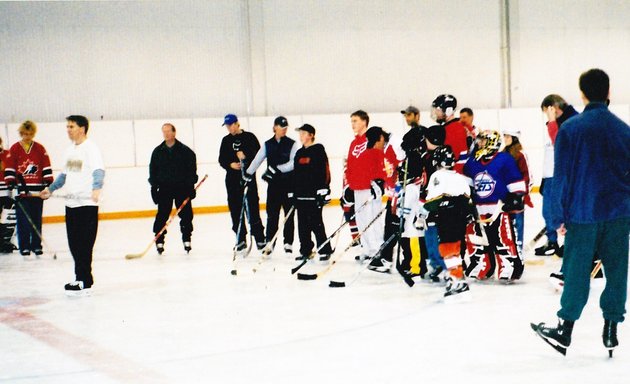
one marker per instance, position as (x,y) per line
(180,318)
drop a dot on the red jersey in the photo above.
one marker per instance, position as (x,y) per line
(391,163)
(3,161)
(456,135)
(33,165)
(364,165)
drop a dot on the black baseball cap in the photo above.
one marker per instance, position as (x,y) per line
(281,121)
(410,109)
(307,128)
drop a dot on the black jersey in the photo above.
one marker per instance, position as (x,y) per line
(311,171)
(244,141)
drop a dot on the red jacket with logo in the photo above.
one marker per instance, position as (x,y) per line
(32,165)
(364,165)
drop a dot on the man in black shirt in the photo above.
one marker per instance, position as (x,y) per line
(238,149)
(172,175)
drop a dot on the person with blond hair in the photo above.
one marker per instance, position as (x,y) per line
(28,167)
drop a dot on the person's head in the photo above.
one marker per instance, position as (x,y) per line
(307,134)
(466,116)
(280,125)
(434,136)
(375,138)
(443,157)
(230,121)
(511,135)
(27,131)
(359,120)
(77,127)
(489,143)
(169,132)
(555,101)
(412,115)
(443,108)
(595,86)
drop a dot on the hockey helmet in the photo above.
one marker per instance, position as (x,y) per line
(435,134)
(489,144)
(446,103)
(373,135)
(443,157)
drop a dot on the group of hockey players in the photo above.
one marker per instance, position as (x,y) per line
(454,201)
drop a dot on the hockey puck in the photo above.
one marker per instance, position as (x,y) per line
(233,272)
(336,284)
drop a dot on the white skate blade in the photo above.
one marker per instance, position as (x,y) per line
(460,298)
(81,293)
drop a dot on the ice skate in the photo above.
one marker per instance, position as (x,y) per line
(160,248)
(288,248)
(457,291)
(549,249)
(557,281)
(187,246)
(609,336)
(558,337)
(378,264)
(437,275)
(324,259)
(77,289)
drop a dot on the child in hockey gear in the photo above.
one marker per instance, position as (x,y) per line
(27,166)
(443,112)
(311,191)
(449,196)
(365,174)
(172,175)
(495,178)
(514,147)
(279,151)
(238,149)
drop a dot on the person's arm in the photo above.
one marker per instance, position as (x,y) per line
(288,166)
(258,159)
(47,174)
(225,160)
(9,169)
(562,164)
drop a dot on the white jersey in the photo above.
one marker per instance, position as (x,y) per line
(80,162)
(447,182)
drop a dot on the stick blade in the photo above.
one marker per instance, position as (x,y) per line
(336,284)
(306,276)
(134,256)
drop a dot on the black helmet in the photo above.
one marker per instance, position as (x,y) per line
(447,103)
(373,135)
(443,157)
(435,134)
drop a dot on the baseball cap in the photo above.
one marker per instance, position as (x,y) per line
(230,119)
(281,121)
(512,131)
(410,109)
(306,127)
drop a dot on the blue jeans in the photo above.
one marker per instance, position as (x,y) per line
(28,233)
(431,239)
(552,235)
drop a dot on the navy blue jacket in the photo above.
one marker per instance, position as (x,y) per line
(592,168)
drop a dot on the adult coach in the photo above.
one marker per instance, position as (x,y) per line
(592,198)
(82,175)
(172,175)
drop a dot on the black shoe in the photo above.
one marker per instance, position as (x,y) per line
(160,248)
(609,336)
(187,246)
(558,337)
(38,252)
(25,252)
(549,249)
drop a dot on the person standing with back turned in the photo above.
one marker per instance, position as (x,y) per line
(591,197)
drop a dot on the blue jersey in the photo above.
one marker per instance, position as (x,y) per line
(493,179)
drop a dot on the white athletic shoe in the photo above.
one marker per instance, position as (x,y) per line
(77,289)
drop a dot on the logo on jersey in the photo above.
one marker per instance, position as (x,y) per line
(236,146)
(31,169)
(74,165)
(359,149)
(304,160)
(484,185)
(28,169)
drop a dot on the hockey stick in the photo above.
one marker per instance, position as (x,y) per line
(528,247)
(269,246)
(168,222)
(339,284)
(335,233)
(596,268)
(241,224)
(308,276)
(401,222)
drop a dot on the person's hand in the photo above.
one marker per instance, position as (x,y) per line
(235,166)
(240,155)
(550,111)
(155,194)
(562,231)
(246,179)
(96,193)
(45,194)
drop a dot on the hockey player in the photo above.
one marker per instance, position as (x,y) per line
(279,151)
(172,175)
(238,149)
(443,112)
(311,191)
(28,168)
(513,146)
(495,178)
(449,196)
(365,175)
(7,208)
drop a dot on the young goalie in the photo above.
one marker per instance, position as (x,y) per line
(449,196)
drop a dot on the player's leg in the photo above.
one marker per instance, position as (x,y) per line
(510,264)
(253,205)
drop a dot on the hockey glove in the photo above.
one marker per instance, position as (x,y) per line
(377,188)
(271,173)
(513,203)
(347,196)
(322,197)
(155,194)
(247,178)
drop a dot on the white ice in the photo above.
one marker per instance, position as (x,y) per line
(181,318)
